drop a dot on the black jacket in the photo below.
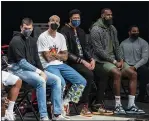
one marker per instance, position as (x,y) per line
(22,48)
(73,55)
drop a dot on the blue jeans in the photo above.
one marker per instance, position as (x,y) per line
(39,83)
(67,72)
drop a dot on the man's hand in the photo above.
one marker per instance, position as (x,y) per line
(43,75)
(48,57)
(62,55)
(86,64)
(120,64)
(133,68)
(92,63)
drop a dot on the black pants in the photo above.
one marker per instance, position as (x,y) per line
(98,76)
(143,77)
(101,79)
(89,76)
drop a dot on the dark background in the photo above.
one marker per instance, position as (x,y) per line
(125,13)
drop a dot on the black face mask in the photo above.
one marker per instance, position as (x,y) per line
(54,26)
(135,35)
(108,22)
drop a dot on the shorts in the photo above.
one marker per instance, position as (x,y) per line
(109,66)
(8,78)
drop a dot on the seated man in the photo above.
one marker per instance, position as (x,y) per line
(9,79)
(107,54)
(136,53)
(52,52)
(25,63)
(81,59)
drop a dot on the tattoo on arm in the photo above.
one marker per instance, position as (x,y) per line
(62,55)
(48,57)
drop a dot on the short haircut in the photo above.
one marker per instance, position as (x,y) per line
(130,28)
(27,21)
(53,16)
(104,9)
(74,11)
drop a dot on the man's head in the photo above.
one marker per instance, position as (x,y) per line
(26,27)
(106,15)
(54,22)
(134,32)
(74,17)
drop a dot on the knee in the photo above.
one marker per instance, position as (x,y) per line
(133,75)
(89,77)
(41,83)
(18,84)
(58,82)
(117,74)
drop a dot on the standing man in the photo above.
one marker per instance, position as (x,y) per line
(53,51)
(25,63)
(108,55)
(136,53)
(80,57)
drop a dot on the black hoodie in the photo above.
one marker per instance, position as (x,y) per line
(22,48)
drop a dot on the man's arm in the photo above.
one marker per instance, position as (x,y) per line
(98,49)
(38,62)
(117,46)
(87,47)
(71,56)
(62,55)
(18,50)
(48,57)
(145,55)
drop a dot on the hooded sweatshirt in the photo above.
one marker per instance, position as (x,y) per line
(23,53)
(105,42)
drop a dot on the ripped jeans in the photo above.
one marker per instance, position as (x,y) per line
(39,84)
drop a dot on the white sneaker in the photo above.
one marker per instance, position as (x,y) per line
(9,116)
(45,119)
(60,117)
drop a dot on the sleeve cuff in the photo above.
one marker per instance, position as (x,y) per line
(38,71)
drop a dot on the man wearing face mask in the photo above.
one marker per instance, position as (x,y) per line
(80,57)
(52,52)
(108,56)
(25,63)
(136,53)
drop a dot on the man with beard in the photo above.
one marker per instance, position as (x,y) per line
(136,53)
(107,54)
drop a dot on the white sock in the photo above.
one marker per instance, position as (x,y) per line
(117,100)
(131,100)
(66,101)
(10,106)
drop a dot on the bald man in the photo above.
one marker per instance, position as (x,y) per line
(53,52)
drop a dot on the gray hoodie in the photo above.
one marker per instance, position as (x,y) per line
(100,37)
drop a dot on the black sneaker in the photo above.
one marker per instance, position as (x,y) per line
(119,110)
(134,110)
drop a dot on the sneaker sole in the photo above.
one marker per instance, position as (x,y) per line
(89,115)
(138,113)
(106,114)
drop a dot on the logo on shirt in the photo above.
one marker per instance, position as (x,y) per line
(53,49)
